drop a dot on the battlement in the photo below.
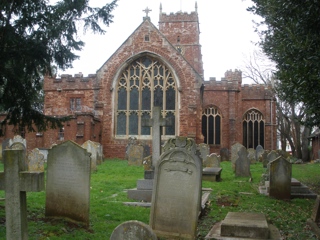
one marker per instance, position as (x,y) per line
(178,17)
(258,90)
(76,78)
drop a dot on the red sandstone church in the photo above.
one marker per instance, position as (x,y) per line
(160,67)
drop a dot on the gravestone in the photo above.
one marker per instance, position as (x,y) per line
(131,141)
(156,122)
(315,215)
(91,148)
(176,197)
(136,155)
(18,139)
(224,154)
(264,158)
(251,155)
(280,179)
(68,182)
(234,154)
(44,151)
(133,230)
(242,166)
(212,161)
(259,152)
(17,181)
(35,160)
(20,146)
(203,150)
(99,153)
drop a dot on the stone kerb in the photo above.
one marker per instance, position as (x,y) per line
(176,197)
(68,182)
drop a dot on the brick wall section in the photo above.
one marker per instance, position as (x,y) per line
(234,100)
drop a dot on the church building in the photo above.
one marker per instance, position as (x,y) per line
(158,67)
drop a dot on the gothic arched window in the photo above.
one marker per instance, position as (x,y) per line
(211,125)
(145,83)
(253,129)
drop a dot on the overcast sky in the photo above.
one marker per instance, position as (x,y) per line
(227,32)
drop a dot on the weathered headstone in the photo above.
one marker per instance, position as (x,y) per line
(91,148)
(259,152)
(272,156)
(203,150)
(224,154)
(16,182)
(18,139)
(251,155)
(234,154)
(242,166)
(131,141)
(264,158)
(156,122)
(136,155)
(176,198)
(35,160)
(280,179)
(68,182)
(212,161)
(133,230)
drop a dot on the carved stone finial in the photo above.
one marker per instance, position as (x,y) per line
(147,10)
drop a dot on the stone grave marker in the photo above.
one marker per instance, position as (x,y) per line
(264,158)
(242,166)
(91,148)
(224,154)
(18,139)
(212,161)
(16,181)
(136,155)
(251,155)
(272,156)
(315,215)
(176,198)
(131,141)
(133,230)
(280,179)
(259,152)
(35,160)
(156,122)
(203,150)
(68,182)
(99,153)
(234,154)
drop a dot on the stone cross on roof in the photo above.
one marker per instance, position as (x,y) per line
(147,10)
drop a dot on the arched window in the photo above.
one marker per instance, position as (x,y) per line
(253,129)
(147,82)
(211,126)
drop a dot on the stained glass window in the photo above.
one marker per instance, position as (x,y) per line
(147,82)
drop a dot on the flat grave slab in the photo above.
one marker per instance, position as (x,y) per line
(211,174)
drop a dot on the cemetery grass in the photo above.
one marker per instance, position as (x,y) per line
(114,177)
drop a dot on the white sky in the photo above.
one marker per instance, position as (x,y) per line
(227,32)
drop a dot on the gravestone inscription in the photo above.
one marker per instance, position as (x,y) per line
(68,182)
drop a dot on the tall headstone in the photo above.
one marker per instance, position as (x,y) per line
(91,148)
(242,166)
(176,197)
(18,139)
(252,155)
(133,230)
(225,154)
(156,122)
(234,154)
(259,152)
(35,160)
(212,161)
(280,179)
(68,182)
(17,181)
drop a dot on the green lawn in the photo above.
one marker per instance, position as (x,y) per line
(114,176)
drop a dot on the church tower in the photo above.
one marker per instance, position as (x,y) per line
(183,32)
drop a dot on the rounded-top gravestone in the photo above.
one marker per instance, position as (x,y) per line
(133,230)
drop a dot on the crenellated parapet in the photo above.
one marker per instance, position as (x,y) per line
(231,81)
(67,81)
(257,91)
(178,17)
